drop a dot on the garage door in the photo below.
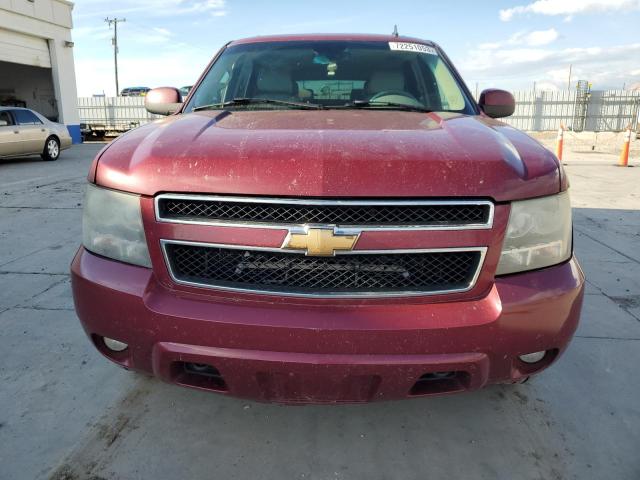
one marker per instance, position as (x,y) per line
(24,49)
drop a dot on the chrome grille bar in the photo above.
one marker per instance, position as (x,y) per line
(231,265)
(366,215)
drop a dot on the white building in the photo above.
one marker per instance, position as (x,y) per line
(36,59)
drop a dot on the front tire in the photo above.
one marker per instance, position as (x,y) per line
(51,150)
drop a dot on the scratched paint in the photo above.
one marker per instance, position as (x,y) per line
(330,154)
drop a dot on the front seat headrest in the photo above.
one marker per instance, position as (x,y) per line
(274,82)
(386,80)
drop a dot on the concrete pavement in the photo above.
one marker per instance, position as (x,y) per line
(69,414)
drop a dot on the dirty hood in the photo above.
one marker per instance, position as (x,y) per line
(330,153)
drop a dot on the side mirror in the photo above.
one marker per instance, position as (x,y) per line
(163,101)
(497,103)
(3,123)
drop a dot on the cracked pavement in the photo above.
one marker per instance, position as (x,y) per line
(69,414)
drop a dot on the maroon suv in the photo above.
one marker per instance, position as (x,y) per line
(329,218)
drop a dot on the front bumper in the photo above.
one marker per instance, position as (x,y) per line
(327,352)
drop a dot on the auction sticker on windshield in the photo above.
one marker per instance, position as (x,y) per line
(412,47)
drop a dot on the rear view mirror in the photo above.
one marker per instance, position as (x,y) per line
(497,103)
(163,101)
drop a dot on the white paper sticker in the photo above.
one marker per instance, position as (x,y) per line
(412,47)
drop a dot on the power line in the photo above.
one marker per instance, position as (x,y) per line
(114,41)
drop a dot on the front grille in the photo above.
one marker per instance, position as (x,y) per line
(342,275)
(329,212)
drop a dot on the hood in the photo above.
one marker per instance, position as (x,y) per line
(330,153)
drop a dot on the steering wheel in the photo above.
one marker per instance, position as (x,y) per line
(397,93)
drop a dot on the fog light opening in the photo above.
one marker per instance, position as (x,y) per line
(198,375)
(534,357)
(114,345)
(201,369)
(440,382)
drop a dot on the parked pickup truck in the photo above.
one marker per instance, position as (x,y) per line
(329,218)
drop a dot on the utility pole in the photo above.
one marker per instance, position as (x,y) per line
(570,69)
(114,41)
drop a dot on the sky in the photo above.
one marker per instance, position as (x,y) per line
(500,44)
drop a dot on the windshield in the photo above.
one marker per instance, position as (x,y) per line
(332,74)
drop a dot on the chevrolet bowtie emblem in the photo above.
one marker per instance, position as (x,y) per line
(319,242)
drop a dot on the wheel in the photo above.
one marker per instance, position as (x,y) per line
(51,150)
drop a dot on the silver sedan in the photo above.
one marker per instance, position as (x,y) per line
(25,132)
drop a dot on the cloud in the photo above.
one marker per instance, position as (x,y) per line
(535,38)
(152,8)
(152,36)
(569,7)
(213,7)
(520,66)
(541,37)
(547,86)
(130,33)
(153,49)
(163,31)
(95,33)
(176,67)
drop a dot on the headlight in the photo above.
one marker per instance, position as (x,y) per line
(112,226)
(539,234)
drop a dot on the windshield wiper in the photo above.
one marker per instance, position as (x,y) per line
(256,101)
(374,104)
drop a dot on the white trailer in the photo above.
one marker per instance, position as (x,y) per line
(111,116)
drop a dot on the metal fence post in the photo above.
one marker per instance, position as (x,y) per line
(536,110)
